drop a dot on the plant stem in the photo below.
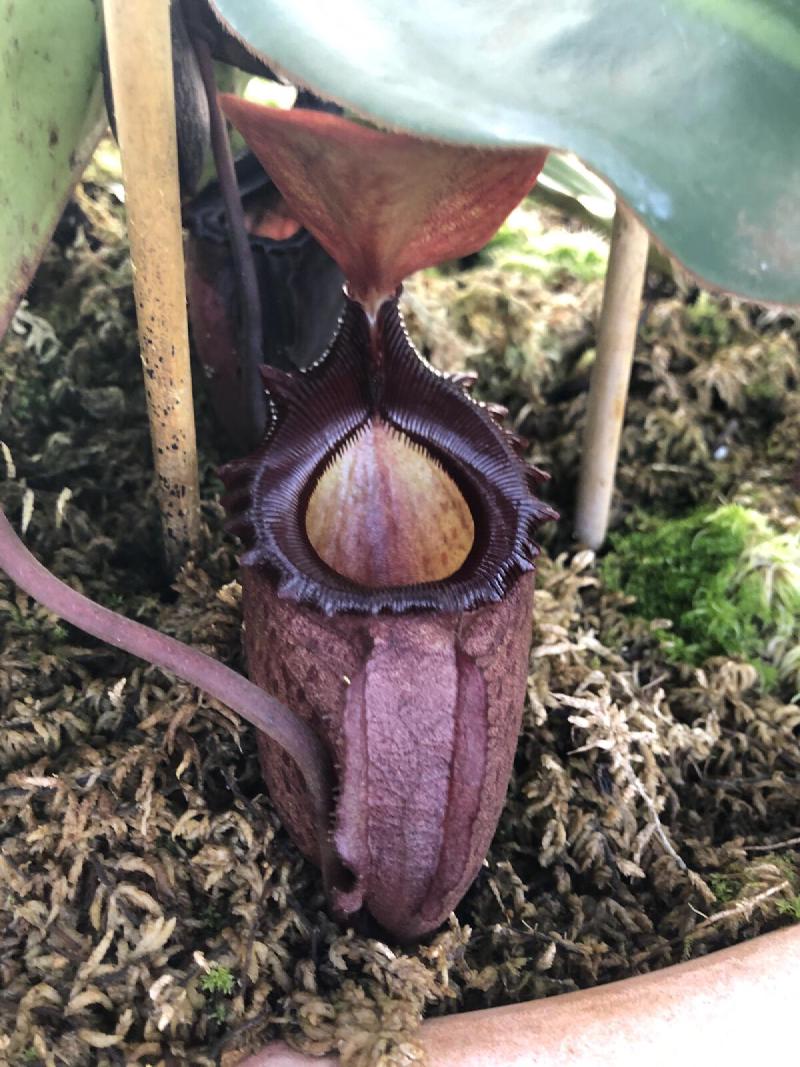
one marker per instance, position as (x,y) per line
(227,686)
(253,405)
(611,373)
(140,62)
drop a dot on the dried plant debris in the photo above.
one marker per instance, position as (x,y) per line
(153,910)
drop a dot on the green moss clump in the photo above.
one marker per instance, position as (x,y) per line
(708,320)
(580,254)
(728,582)
(790,907)
(527,244)
(723,887)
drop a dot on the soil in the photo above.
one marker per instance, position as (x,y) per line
(152,908)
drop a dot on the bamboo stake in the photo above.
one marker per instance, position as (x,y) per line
(140,61)
(608,391)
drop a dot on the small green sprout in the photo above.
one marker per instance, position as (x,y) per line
(218,979)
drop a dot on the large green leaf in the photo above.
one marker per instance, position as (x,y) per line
(51,114)
(566,177)
(688,107)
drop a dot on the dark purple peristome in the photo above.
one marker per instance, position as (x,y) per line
(317,413)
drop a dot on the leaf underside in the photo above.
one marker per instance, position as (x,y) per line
(50,119)
(687,107)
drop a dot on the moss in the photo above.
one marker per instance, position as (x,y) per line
(133,810)
(725,579)
(707,319)
(580,255)
(553,254)
(790,907)
(218,979)
(723,887)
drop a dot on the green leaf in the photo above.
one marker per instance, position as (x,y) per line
(687,107)
(50,119)
(566,176)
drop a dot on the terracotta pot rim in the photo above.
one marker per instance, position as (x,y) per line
(737,1005)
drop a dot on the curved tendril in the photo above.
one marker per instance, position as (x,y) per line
(253,405)
(227,686)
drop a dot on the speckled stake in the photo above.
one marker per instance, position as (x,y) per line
(140,61)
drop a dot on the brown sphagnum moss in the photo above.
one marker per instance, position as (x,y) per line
(653,813)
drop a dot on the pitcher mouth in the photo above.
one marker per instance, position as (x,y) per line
(385,513)
(372,375)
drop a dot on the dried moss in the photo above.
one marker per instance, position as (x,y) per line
(138,850)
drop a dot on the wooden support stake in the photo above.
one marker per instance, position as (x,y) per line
(608,391)
(140,61)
